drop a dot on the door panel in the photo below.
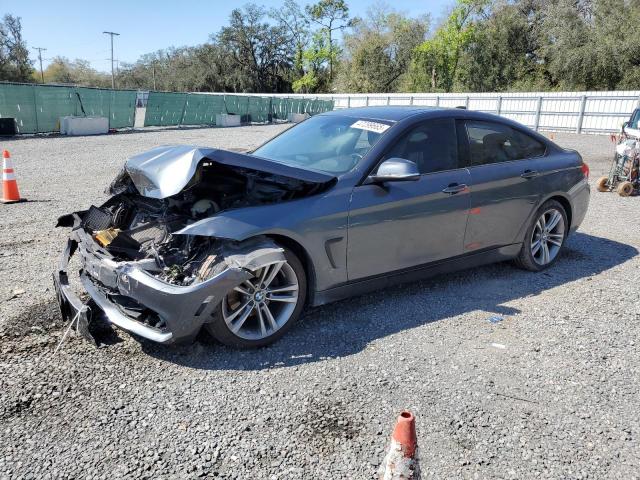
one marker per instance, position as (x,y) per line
(501,201)
(505,181)
(405,224)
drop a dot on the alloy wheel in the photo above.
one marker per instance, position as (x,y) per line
(260,306)
(547,236)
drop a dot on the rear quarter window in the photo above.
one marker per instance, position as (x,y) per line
(492,142)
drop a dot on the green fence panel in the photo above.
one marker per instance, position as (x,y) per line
(119,106)
(18,101)
(317,106)
(94,101)
(329,105)
(279,108)
(122,109)
(201,109)
(295,105)
(164,109)
(53,102)
(259,109)
(238,105)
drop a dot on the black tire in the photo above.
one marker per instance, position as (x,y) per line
(525,258)
(220,331)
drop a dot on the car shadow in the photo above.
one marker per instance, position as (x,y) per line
(349,326)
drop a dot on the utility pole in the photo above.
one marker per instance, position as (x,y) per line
(40,50)
(113,76)
(153,72)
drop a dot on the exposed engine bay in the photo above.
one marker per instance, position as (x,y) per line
(133,227)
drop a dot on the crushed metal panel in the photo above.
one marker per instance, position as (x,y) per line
(164,171)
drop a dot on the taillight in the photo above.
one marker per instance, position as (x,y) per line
(585,170)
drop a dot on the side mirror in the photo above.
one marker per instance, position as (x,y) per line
(395,170)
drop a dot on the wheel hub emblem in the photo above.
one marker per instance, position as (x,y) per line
(259,297)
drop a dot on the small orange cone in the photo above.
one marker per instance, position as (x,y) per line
(401,462)
(10,193)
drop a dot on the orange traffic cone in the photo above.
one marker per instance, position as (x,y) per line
(10,193)
(401,461)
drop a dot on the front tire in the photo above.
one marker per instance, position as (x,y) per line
(544,238)
(262,309)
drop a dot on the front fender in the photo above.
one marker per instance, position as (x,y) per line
(224,225)
(318,224)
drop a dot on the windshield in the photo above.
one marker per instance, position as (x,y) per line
(331,143)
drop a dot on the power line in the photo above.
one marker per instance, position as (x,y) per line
(113,77)
(40,50)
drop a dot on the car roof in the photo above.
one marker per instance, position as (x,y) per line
(389,113)
(398,113)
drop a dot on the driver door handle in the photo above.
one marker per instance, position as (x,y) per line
(454,188)
(529,174)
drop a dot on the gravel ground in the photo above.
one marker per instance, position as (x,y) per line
(552,391)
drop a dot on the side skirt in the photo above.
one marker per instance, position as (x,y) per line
(421,272)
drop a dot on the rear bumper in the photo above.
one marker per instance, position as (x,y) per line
(580,195)
(178,311)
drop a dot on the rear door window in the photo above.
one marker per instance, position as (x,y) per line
(432,145)
(492,142)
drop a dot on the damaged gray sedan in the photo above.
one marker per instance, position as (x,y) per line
(344,203)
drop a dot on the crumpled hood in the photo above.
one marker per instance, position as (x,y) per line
(164,171)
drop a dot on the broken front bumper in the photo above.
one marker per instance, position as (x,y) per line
(181,310)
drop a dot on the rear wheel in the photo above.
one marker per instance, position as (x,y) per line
(262,309)
(545,237)
(602,185)
(625,189)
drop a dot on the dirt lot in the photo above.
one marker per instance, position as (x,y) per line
(552,391)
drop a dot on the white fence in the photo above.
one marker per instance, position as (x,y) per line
(580,112)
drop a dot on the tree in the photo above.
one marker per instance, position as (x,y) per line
(258,50)
(15,65)
(503,53)
(435,63)
(293,20)
(315,57)
(331,15)
(379,49)
(77,72)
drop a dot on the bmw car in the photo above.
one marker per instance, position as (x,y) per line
(343,203)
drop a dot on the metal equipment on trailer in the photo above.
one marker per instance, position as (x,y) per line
(624,176)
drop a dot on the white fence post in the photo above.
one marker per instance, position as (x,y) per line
(348,101)
(437,100)
(466,103)
(388,99)
(538,110)
(583,104)
(499,106)
(411,100)
(367,100)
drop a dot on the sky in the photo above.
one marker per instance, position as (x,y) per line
(73,28)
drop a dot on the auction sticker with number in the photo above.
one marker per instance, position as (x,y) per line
(371,126)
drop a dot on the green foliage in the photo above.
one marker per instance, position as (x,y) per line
(435,64)
(378,51)
(78,72)
(331,15)
(15,65)
(481,45)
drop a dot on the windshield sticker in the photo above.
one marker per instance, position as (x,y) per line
(371,126)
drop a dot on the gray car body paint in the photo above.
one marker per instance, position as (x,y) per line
(331,234)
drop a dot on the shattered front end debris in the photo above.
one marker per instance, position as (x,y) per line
(136,266)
